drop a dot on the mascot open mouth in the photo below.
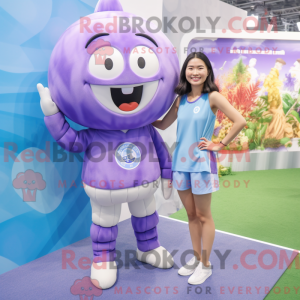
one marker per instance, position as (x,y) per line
(125,99)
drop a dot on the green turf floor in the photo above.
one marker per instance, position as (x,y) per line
(263,205)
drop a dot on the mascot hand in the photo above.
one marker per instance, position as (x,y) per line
(166,188)
(49,108)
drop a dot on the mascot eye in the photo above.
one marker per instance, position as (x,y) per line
(25,181)
(143,61)
(106,63)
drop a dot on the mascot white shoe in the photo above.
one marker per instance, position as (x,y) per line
(104,274)
(156,257)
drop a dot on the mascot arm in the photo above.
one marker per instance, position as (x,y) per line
(164,162)
(162,153)
(68,138)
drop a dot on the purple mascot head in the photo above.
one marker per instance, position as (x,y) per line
(105,75)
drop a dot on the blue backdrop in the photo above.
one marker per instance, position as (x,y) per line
(38,221)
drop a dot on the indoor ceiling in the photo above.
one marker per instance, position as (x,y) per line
(285,12)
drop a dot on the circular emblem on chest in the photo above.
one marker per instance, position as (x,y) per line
(196,109)
(128,156)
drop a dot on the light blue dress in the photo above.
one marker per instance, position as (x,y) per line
(189,163)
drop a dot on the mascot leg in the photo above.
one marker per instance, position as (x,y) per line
(104,268)
(104,231)
(144,220)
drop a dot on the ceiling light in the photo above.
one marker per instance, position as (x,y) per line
(251,23)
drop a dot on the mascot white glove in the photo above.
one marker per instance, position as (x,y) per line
(166,188)
(49,108)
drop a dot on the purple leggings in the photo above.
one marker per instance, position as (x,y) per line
(104,238)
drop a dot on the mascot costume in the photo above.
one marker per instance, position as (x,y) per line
(115,84)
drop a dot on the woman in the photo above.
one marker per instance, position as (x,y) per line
(194,165)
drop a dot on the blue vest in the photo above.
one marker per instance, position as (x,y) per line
(194,120)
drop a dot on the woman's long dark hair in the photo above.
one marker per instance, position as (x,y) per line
(184,87)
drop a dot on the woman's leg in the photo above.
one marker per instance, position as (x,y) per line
(195,225)
(203,212)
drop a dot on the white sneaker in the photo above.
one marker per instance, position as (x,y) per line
(201,274)
(190,267)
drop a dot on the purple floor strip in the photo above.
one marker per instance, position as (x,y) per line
(248,271)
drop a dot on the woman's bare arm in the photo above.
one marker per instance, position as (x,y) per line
(219,101)
(169,118)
